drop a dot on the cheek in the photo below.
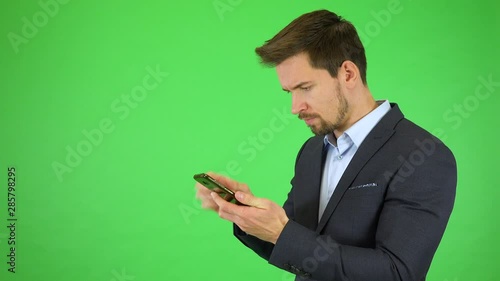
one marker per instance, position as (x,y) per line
(326,106)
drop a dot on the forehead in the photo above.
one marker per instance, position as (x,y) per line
(297,69)
(294,65)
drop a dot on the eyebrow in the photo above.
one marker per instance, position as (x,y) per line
(297,86)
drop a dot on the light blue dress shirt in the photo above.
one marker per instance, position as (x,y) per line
(341,151)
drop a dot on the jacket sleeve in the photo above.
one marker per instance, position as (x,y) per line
(416,209)
(260,247)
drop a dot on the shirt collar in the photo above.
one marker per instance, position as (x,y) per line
(359,130)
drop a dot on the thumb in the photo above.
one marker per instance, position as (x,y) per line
(249,200)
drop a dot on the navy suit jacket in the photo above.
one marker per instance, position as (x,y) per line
(385,218)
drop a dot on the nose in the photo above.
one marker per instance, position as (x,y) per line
(298,103)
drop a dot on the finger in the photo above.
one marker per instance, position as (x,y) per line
(218,200)
(250,200)
(227,197)
(200,189)
(229,183)
(228,211)
(203,193)
(210,205)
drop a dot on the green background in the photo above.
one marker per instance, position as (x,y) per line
(126,210)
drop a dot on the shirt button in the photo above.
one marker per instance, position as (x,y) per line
(340,157)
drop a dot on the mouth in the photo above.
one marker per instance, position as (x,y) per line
(309,121)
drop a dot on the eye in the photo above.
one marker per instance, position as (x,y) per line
(306,88)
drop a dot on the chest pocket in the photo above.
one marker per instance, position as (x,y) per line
(359,210)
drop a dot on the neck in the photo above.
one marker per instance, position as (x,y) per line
(359,108)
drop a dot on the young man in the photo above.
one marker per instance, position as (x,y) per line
(372,192)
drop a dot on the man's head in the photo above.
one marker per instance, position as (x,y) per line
(321,61)
(328,39)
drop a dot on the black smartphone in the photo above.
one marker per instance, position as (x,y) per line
(212,184)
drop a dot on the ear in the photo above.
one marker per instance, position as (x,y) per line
(349,74)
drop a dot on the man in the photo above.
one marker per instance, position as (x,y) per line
(372,192)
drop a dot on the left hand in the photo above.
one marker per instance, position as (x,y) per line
(261,217)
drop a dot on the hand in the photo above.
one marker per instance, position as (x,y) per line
(203,193)
(261,217)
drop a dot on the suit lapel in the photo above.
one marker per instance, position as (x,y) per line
(307,197)
(372,143)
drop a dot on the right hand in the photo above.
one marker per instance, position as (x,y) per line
(203,193)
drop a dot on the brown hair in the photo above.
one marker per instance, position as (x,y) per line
(327,38)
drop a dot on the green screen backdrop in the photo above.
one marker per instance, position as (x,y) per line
(109,107)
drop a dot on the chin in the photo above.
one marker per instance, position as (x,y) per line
(317,132)
(322,131)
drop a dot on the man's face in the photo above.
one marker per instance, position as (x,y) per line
(317,97)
